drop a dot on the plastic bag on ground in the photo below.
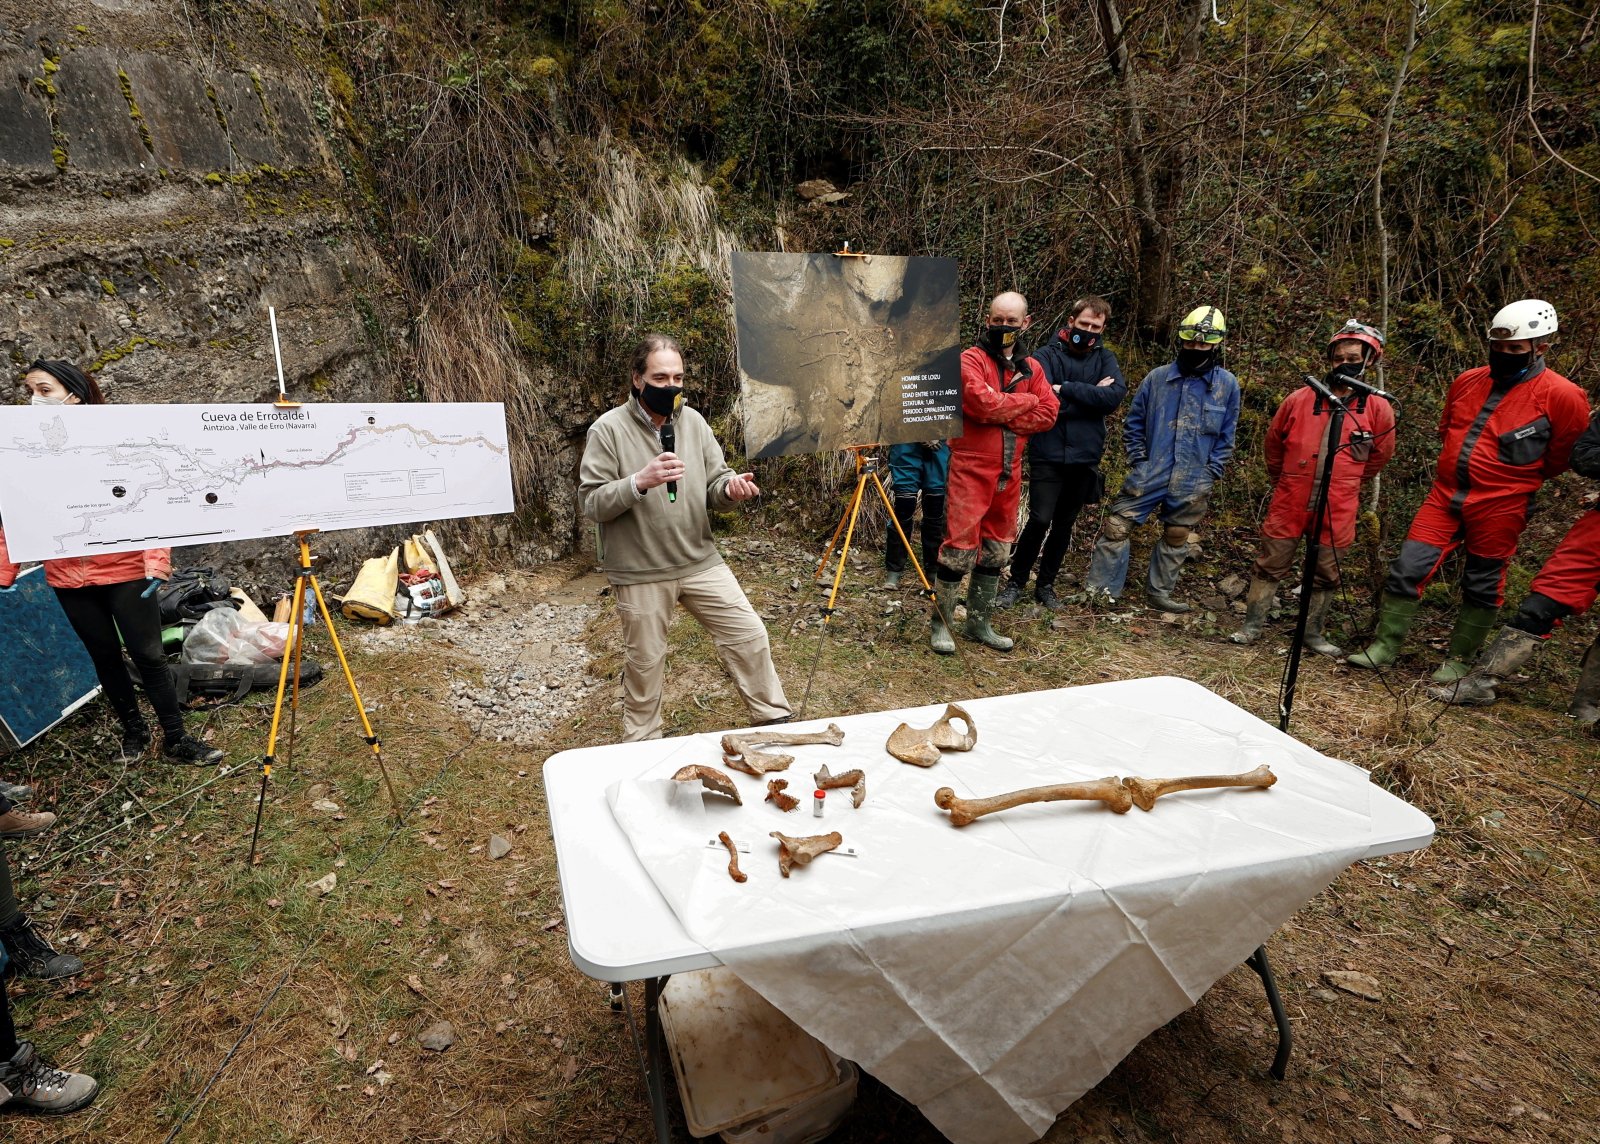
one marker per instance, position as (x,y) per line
(225,636)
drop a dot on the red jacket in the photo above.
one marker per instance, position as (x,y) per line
(1506,443)
(82,571)
(991,410)
(1294,447)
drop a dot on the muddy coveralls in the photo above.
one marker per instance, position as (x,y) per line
(1295,446)
(1500,444)
(1002,403)
(1178,434)
(1567,585)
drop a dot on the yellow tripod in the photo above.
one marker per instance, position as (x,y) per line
(306,577)
(866,458)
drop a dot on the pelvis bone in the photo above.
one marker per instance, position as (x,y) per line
(740,751)
(963,810)
(855,779)
(712,779)
(1146,791)
(794,852)
(922,747)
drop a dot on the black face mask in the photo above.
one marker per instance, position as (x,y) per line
(999,339)
(1192,363)
(662,400)
(1078,341)
(1346,371)
(1508,369)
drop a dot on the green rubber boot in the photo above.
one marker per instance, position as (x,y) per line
(1473,625)
(1395,616)
(980,606)
(944,606)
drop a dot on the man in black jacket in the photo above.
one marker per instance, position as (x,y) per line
(1064,462)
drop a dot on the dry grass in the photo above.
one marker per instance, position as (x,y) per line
(1485,943)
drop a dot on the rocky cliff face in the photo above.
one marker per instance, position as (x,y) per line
(165,175)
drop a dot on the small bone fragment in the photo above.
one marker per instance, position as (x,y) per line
(734,872)
(963,810)
(855,779)
(740,753)
(712,779)
(784,802)
(921,746)
(1146,791)
(794,852)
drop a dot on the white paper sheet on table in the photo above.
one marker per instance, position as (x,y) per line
(993,974)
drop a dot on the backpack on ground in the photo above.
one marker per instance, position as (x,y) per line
(192,592)
(223,683)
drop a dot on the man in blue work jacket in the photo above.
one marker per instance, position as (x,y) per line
(1179,435)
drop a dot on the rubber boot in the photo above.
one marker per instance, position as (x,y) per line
(944,606)
(980,605)
(1257,602)
(1510,650)
(1395,617)
(891,579)
(1165,564)
(932,531)
(1316,638)
(1584,706)
(1473,625)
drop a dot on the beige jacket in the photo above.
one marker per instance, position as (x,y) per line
(644,538)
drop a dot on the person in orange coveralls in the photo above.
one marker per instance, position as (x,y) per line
(1004,398)
(1507,428)
(1296,442)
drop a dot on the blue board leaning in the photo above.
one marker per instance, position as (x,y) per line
(47,674)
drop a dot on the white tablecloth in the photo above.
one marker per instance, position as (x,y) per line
(994,973)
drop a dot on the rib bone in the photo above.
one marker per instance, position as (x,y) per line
(734,872)
(711,778)
(784,802)
(740,753)
(963,810)
(1146,791)
(921,746)
(794,852)
(855,779)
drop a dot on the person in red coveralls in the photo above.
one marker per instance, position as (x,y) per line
(1507,428)
(1297,441)
(1005,396)
(105,595)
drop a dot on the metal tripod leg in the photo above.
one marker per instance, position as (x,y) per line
(1258,962)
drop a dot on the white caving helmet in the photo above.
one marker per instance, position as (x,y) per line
(1530,320)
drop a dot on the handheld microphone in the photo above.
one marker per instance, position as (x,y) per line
(669,442)
(1320,388)
(1370,390)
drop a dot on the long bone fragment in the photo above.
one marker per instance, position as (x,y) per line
(794,852)
(740,751)
(775,795)
(711,778)
(734,872)
(1146,791)
(855,779)
(1108,790)
(921,746)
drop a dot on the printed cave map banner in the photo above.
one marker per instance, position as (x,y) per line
(112,478)
(840,351)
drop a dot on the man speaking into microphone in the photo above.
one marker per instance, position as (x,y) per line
(651,472)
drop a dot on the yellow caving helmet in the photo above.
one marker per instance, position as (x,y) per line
(1203,324)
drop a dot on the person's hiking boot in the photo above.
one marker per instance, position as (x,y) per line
(944,609)
(1473,625)
(1257,602)
(1045,595)
(1585,705)
(187,750)
(15,792)
(1395,617)
(1509,651)
(1316,638)
(31,956)
(1008,595)
(135,742)
(29,1084)
(1166,561)
(980,606)
(16,823)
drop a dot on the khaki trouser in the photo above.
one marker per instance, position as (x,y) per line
(715,599)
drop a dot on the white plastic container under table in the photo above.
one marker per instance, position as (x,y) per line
(805,1123)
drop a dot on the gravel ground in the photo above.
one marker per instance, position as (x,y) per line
(521,663)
